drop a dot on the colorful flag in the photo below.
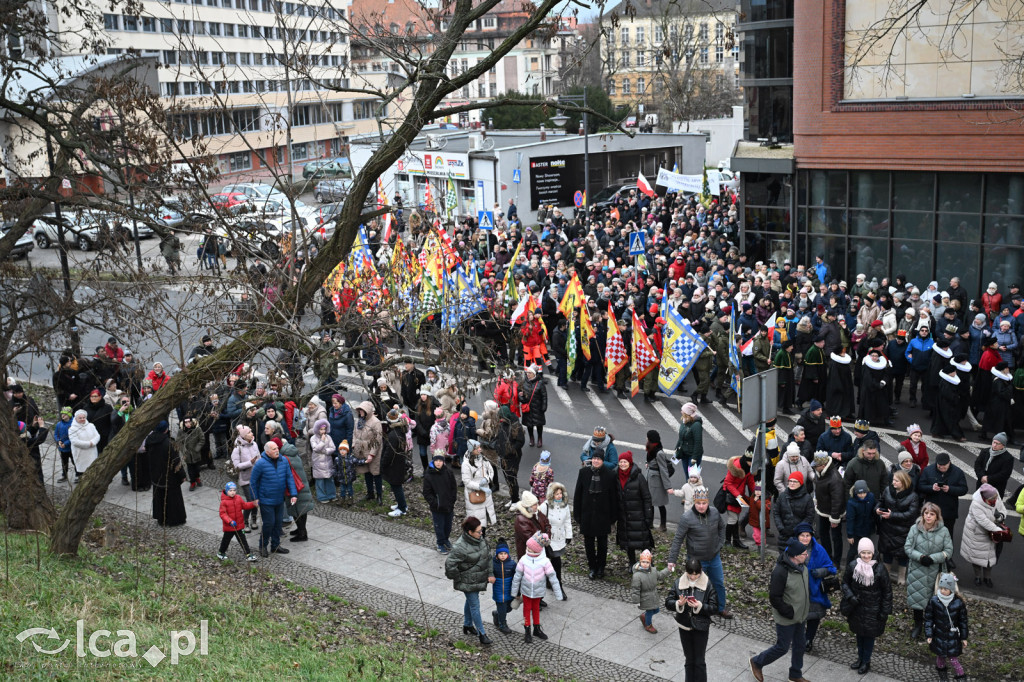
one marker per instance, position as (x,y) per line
(644,357)
(644,186)
(734,357)
(451,198)
(382,202)
(509,285)
(526,307)
(681,346)
(615,349)
(573,296)
(586,330)
(428,199)
(570,345)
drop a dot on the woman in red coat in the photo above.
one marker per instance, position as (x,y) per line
(991,300)
(738,485)
(232,506)
(916,446)
(157,376)
(535,341)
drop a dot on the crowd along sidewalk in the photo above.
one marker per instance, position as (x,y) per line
(591,637)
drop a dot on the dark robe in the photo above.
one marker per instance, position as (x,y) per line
(875,392)
(784,364)
(814,370)
(932,387)
(167,474)
(998,413)
(965,387)
(138,466)
(98,415)
(839,394)
(946,415)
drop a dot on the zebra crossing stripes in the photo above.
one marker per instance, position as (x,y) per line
(733,419)
(563,396)
(632,411)
(596,402)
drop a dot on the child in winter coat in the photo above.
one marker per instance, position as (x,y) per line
(245,454)
(322,455)
(645,589)
(541,476)
(945,625)
(532,573)
(559,515)
(345,473)
(860,517)
(686,491)
(439,432)
(755,515)
(504,572)
(232,508)
(60,436)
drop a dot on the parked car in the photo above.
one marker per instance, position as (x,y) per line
(81,228)
(604,198)
(331,190)
(23,246)
(326,169)
(226,200)
(256,190)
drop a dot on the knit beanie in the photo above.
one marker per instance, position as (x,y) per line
(502,547)
(948,580)
(988,491)
(545,457)
(795,548)
(343,445)
(860,487)
(793,450)
(527,499)
(797,476)
(865,545)
(904,456)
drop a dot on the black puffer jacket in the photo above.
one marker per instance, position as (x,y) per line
(939,622)
(792,508)
(393,457)
(534,393)
(595,504)
(830,493)
(636,514)
(440,489)
(708,597)
(874,601)
(892,532)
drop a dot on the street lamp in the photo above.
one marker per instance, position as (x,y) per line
(560,120)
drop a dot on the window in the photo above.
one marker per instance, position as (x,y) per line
(494,89)
(300,151)
(673,33)
(624,35)
(189,88)
(703,55)
(199,27)
(640,35)
(243,30)
(149,24)
(364,109)
(229,30)
(170,57)
(719,31)
(184,27)
(625,86)
(171,89)
(167,25)
(641,58)
(203,57)
(659,35)
(185,57)
(482,88)
(217,58)
(625,59)
(213,28)
(245,58)
(111,22)
(703,32)
(490,22)
(611,88)
(719,53)
(641,85)
(130,23)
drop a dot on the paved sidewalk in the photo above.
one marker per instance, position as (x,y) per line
(592,637)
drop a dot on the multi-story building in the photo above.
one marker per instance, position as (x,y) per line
(656,50)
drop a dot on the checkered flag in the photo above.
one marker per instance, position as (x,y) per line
(451,199)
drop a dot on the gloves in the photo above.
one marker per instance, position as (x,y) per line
(234,524)
(926,560)
(820,572)
(568,542)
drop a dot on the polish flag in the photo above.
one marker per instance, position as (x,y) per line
(644,186)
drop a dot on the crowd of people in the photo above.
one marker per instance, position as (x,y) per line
(842,520)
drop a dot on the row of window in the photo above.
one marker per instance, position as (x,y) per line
(185,27)
(250,120)
(625,56)
(236,87)
(673,33)
(293,8)
(211,58)
(641,85)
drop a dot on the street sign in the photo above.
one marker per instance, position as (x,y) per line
(65,184)
(485,220)
(578,199)
(750,407)
(517,175)
(636,243)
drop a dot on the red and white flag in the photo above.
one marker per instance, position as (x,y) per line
(644,186)
(616,357)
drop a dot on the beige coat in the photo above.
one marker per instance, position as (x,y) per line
(471,477)
(975,545)
(368,440)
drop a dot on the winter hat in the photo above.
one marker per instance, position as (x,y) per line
(797,476)
(793,450)
(988,491)
(244,431)
(426,389)
(340,398)
(835,422)
(502,547)
(693,471)
(343,445)
(803,527)
(815,405)
(942,458)
(276,440)
(229,486)
(472,445)
(689,409)
(66,410)
(865,545)
(860,487)
(535,545)
(912,429)
(700,493)
(545,457)
(250,406)
(795,548)
(438,413)
(1001,437)
(320,423)
(653,437)
(646,554)
(904,456)
(527,499)
(821,458)
(600,431)
(394,417)
(948,580)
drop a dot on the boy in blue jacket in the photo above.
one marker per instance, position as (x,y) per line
(860,517)
(60,436)
(504,572)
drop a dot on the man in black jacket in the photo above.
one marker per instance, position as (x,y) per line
(789,594)
(411,380)
(942,482)
(595,508)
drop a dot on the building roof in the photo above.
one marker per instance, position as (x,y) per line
(374,13)
(644,9)
(40,83)
(752,157)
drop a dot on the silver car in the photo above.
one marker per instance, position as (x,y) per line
(331,190)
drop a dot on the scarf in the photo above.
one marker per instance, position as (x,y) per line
(624,476)
(596,487)
(862,572)
(915,448)
(652,451)
(946,600)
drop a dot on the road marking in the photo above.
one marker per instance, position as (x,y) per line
(598,404)
(709,428)
(633,412)
(563,395)
(732,419)
(667,416)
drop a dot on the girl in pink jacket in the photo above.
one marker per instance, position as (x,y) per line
(532,572)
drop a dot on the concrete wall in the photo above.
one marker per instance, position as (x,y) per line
(722,134)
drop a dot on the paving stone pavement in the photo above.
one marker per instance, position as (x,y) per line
(389,566)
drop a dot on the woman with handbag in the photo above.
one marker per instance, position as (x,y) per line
(867,602)
(984,517)
(821,573)
(477,474)
(533,396)
(168,473)
(928,547)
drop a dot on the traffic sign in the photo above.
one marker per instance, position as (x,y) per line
(578,199)
(516,175)
(485,220)
(636,243)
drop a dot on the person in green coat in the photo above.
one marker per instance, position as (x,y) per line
(304,500)
(690,446)
(470,569)
(645,589)
(702,367)
(928,547)
(783,362)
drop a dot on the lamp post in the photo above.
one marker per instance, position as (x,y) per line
(561,120)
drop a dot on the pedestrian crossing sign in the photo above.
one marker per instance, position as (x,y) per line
(516,175)
(485,220)
(636,243)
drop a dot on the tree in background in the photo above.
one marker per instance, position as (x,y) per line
(510,116)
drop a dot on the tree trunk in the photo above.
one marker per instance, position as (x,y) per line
(70,525)
(24,501)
